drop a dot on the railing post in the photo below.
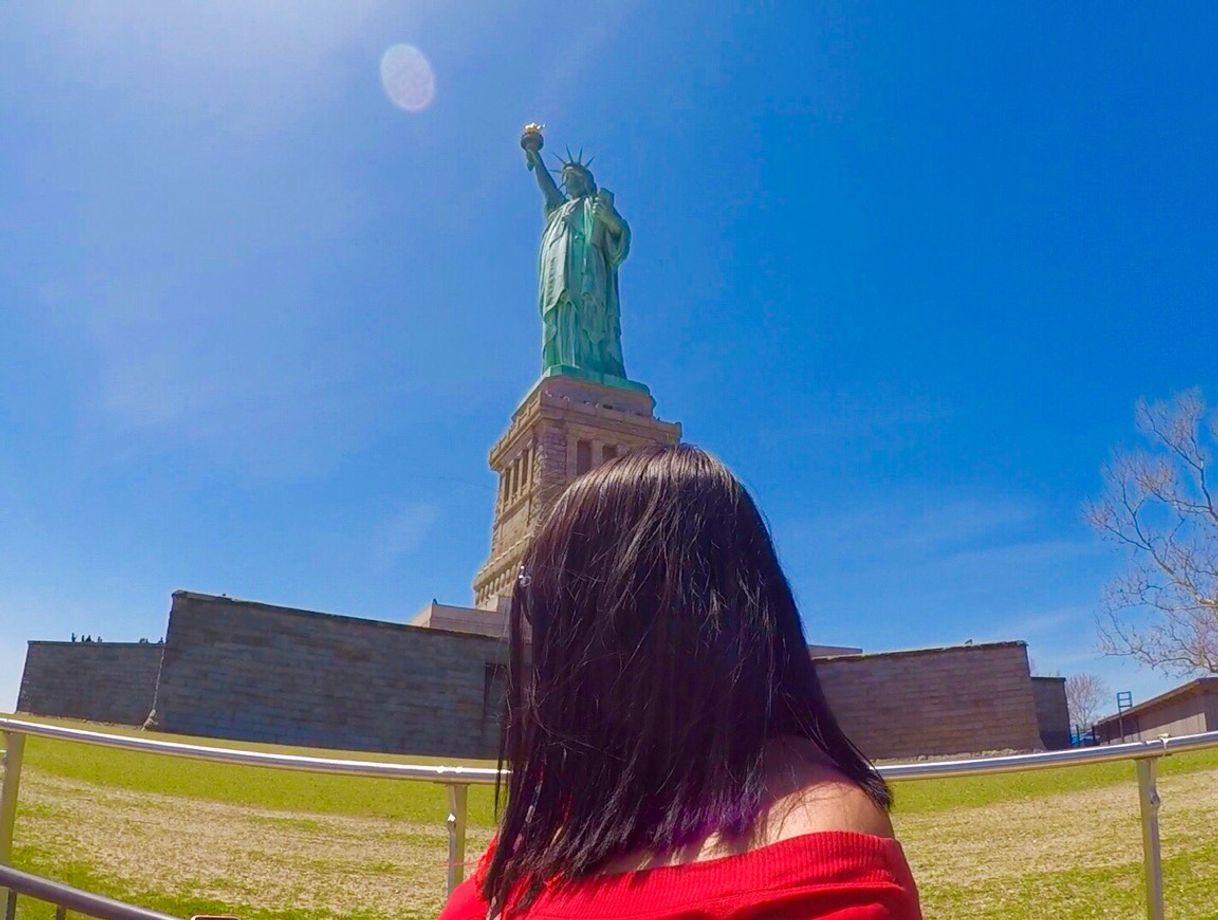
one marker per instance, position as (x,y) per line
(458,795)
(1152,857)
(14,748)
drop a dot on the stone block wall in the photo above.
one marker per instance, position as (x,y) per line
(98,681)
(1052,712)
(959,700)
(562,428)
(255,672)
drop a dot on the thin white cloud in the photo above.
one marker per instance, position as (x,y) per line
(572,58)
(847,415)
(1040,622)
(944,567)
(180,367)
(933,527)
(1025,552)
(942,528)
(403,534)
(236,62)
(1059,638)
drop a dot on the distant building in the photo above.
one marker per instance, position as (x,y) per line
(1187,710)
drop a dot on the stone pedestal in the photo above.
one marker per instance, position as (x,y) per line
(564,427)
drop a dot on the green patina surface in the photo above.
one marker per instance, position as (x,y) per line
(607,380)
(583,243)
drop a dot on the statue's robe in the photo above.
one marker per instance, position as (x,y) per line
(580,310)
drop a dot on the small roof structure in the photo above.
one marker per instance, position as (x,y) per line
(1194,687)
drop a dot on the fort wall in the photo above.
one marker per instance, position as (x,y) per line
(98,681)
(256,672)
(957,700)
(1052,711)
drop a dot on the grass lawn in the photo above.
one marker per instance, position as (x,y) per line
(189,837)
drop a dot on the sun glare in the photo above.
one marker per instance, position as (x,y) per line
(406,74)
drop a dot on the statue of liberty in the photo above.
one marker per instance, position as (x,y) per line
(584,241)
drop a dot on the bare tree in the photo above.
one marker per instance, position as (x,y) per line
(1160,506)
(1085,694)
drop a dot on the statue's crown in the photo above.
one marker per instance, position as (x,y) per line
(576,162)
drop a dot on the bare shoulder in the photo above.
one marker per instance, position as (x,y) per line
(834,804)
(810,797)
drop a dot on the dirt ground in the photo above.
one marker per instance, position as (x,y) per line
(985,856)
(968,861)
(323,864)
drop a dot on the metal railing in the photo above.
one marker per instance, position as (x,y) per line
(66,898)
(457,780)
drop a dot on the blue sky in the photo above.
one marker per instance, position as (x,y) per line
(907,270)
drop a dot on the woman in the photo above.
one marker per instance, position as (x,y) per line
(672,753)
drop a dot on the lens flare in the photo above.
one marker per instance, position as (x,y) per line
(406,74)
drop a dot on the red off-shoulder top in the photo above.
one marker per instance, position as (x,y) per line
(837,875)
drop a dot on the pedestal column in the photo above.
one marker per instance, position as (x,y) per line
(562,428)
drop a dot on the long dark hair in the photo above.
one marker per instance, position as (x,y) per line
(666,650)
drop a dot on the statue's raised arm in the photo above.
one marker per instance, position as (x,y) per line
(531,142)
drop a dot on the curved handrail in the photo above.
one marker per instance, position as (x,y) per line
(1070,757)
(1144,753)
(930,769)
(439,774)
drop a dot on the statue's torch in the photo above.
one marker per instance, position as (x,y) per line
(531,139)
